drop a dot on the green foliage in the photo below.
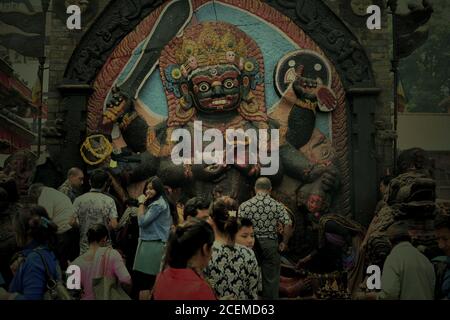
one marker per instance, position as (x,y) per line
(426,73)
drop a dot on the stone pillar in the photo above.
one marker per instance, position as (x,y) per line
(74,100)
(362,111)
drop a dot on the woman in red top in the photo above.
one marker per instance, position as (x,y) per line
(188,253)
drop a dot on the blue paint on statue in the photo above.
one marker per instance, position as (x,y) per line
(274,45)
(130,64)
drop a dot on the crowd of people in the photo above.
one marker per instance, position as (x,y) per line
(200,250)
(197,250)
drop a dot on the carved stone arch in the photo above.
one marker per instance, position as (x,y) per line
(354,68)
(118,19)
(314,17)
(340,45)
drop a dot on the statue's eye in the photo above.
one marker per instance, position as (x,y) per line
(228,83)
(203,87)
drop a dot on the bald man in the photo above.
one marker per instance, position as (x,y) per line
(72,187)
(266,213)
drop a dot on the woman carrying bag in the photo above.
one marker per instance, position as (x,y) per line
(103,272)
(155,221)
(36,265)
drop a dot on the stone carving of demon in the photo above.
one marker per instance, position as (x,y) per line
(213,73)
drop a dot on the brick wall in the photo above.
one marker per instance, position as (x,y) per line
(61,44)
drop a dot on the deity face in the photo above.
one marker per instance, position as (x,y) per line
(216,88)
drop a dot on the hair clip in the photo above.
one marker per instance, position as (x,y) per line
(232,213)
(45,222)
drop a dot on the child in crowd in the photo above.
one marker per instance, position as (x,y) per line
(245,235)
(233,269)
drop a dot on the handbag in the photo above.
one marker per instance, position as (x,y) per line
(56,290)
(108,288)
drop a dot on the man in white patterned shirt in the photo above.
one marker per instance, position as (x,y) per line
(266,213)
(95,207)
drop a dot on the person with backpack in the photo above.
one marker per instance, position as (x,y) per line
(36,263)
(442,263)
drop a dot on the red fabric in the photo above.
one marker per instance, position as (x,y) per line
(16,141)
(12,84)
(290,287)
(18,86)
(5,81)
(181,284)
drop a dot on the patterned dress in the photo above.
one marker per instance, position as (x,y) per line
(233,270)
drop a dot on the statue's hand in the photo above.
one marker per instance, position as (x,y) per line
(187,170)
(329,180)
(208,172)
(305,88)
(255,169)
(248,169)
(316,172)
(118,106)
(215,169)
(327,174)
(326,99)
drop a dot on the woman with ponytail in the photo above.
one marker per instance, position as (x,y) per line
(233,269)
(188,253)
(100,261)
(36,234)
